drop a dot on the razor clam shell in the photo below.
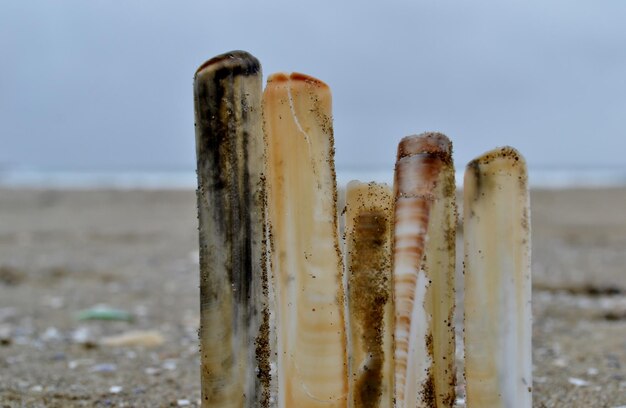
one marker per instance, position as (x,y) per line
(368,215)
(231,211)
(306,260)
(498,319)
(423,272)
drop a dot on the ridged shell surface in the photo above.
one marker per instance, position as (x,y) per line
(306,261)
(423,272)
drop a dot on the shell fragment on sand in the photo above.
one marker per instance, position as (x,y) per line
(423,272)
(368,215)
(306,262)
(231,208)
(140,338)
(498,320)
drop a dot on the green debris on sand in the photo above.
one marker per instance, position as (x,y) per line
(104,313)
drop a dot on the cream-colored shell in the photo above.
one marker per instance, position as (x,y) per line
(306,262)
(498,320)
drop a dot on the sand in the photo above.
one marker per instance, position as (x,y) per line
(62,252)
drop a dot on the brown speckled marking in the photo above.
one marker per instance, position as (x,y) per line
(368,264)
(262,342)
(263,353)
(428,391)
(231,206)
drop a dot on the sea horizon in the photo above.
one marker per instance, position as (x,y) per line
(183,179)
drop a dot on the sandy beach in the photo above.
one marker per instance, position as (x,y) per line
(63,252)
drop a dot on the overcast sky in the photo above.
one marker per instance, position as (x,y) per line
(104,84)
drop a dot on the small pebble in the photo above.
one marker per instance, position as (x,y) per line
(183,402)
(139,390)
(116,389)
(21,340)
(169,365)
(58,357)
(36,388)
(152,371)
(51,334)
(75,363)
(104,368)
(592,371)
(38,344)
(81,335)
(578,382)
(5,336)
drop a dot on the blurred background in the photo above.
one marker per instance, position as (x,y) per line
(92,88)
(98,228)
